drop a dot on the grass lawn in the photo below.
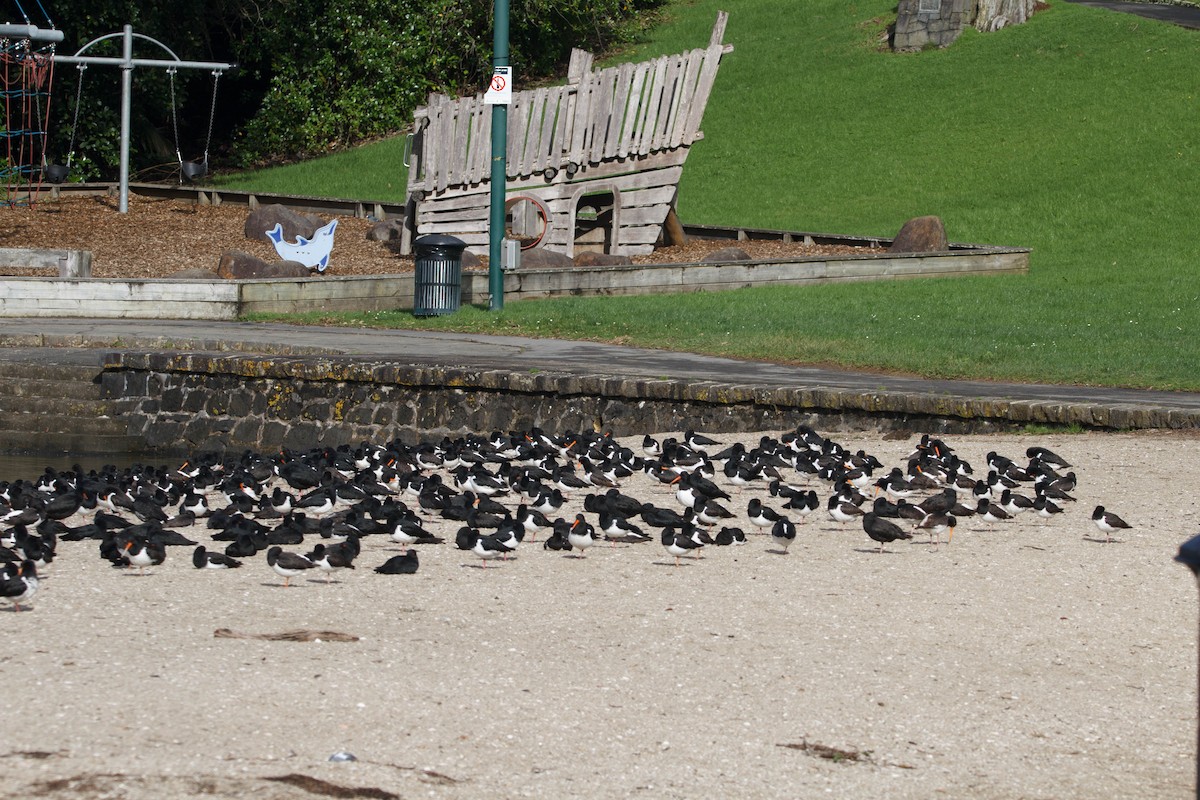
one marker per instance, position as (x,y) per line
(1077,134)
(371,172)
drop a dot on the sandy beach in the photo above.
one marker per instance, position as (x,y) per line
(1033,661)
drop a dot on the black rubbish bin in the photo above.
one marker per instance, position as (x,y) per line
(438,287)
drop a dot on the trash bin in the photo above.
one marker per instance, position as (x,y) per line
(438,287)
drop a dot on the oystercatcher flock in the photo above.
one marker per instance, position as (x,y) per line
(311,517)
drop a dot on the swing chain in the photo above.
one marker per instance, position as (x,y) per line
(212,114)
(174,116)
(75,121)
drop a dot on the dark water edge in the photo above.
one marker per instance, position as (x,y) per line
(29,467)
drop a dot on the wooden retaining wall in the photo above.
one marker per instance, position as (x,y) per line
(229,300)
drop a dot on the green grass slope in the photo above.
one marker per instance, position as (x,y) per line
(370,172)
(1076,134)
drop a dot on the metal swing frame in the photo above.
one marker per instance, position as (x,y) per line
(127,63)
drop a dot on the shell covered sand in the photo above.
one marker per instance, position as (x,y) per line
(1034,661)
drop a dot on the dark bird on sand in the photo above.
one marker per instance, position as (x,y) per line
(206,559)
(727,536)
(882,530)
(1046,456)
(558,539)
(405,564)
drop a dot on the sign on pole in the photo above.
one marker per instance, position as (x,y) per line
(499,91)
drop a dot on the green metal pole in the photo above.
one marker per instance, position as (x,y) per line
(499,176)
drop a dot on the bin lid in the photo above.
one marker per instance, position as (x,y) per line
(439,240)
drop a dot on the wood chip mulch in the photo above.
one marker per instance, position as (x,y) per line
(158,238)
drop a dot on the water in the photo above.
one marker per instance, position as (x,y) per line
(28,467)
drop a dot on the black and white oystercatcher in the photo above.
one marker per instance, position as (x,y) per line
(287,565)
(677,544)
(18,583)
(1108,522)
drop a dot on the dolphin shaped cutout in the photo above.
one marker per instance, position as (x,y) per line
(312,253)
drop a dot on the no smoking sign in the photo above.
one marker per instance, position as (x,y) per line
(499,90)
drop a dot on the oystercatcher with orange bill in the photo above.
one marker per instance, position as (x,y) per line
(18,583)
(142,552)
(937,524)
(581,535)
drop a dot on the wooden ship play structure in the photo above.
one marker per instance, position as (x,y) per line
(592,165)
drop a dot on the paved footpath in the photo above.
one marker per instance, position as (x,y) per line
(1184,16)
(83,341)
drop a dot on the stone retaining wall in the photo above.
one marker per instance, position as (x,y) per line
(181,402)
(920,23)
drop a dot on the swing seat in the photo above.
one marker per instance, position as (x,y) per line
(193,170)
(57,173)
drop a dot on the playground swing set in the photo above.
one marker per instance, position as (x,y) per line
(27,61)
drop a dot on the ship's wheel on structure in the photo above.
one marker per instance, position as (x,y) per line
(26,79)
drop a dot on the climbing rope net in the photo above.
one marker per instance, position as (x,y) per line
(27,77)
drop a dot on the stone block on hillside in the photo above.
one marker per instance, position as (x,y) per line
(921,235)
(542,258)
(288,269)
(726,254)
(194,274)
(389,230)
(295,224)
(592,259)
(238,264)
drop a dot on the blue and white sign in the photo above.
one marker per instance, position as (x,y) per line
(312,253)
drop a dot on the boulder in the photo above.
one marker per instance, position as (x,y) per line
(390,230)
(238,265)
(726,254)
(541,258)
(921,235)
(295,224)
(470,260)
(592,259)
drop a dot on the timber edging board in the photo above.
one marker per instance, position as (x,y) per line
(174,399)
(230,300)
